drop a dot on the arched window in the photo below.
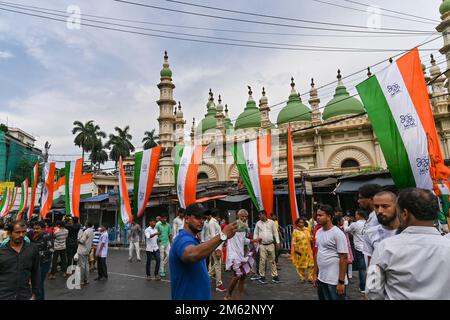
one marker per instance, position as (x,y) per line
(202,176)
(349,163)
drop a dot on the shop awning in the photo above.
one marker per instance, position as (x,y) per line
(237,198)
(210,198)
(351,186)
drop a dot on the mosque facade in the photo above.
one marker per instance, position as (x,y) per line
(328,140)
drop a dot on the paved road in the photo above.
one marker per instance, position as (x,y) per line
(127,281)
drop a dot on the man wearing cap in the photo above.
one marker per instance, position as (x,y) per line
(189,279)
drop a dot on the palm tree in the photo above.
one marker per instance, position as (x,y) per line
(88,136)
(120,144)
(150,139)
(83,139)
(98,154)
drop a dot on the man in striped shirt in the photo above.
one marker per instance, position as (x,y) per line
(92,259)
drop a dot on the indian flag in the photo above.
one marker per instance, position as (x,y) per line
(59,189)
(254,162)
(47,193)
(394,102)
(124,201)
(74,171)
(23,199)
(34,181)
(5,202)
(13,199)
(145,168)
(291,179)
(187,160)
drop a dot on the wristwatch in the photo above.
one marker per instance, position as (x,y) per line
(223,236)
(341,281)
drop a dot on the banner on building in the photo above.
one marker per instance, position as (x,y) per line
(145,168)
(125,213)
(73,172)
(254,162)
(187,160)
(49,183)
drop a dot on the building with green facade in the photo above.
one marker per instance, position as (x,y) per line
(17,151)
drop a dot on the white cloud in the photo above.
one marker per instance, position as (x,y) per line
(6,55)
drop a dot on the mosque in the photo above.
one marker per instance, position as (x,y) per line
(330,140)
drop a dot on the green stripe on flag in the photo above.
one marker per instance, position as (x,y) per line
(67,195)
(386,130)
(240,161)
(137,174)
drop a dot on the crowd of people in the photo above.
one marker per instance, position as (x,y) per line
(391,240)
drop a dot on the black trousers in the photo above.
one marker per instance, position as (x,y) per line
(71,250)
(56,254)
(155,255)
(102,268)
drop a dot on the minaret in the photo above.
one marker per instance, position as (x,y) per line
(444,28)
(179,125)
(166,121)
(439,99)
(314,102)
(220,118)
(264,109)
(166,103)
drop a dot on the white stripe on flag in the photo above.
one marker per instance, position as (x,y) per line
(250,151)
(185,161)
(143,177)
(46,172)
(408,124)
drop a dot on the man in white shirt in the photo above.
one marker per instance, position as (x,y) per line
(152,248)
(411,265)
(178,223)
(330,262)
(356,230)
(216,258)
(365,201)
(267,235)
(385,207)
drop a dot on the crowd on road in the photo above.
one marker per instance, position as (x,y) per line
(391,240)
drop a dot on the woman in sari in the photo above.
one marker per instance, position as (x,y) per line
(237,259)
(302,255)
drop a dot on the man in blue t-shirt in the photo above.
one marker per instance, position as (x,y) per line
(189,278)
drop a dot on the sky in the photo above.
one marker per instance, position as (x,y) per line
(52,75)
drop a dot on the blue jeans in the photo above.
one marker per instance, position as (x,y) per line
(45,267)
(328,292)
(150,255)
(361,263)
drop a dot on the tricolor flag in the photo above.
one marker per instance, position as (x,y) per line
(396,103)
(254,162)
(34,181)
(187,160)
(7,195)
(145,168)
(74,170)
(47,194)
(124,201)
(23,200)
(13,199)
(291,179)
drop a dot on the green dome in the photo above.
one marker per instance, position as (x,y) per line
(294,110)
(342,104)
(209,121)
(251,117)
(166,72)
(445,7)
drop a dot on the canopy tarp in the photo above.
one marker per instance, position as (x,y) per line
(237,198)
(351,186)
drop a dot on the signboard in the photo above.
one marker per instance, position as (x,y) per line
(4,185)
